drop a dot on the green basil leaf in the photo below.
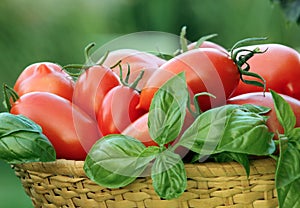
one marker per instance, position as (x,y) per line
(116,160)
(168,175)
(21,141)
(232,156)
(167,110)
(284,113)
(246,132)
(10,123)
(294,135)
(288,175)
(26,146)
(228,128)
(261,110)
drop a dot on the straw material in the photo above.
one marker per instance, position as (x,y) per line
(210,185)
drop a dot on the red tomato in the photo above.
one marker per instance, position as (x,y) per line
(45,77)
(137,60)
(92,86)
(206,70)
(207,44)
(70,130)
(118,110)
(139,130)
(279,66)
(257,98)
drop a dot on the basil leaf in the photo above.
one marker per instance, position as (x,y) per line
(26,146)
(116,160)
(21,141)
(284,113)
(168,175)
(228,128)
(167,110)
(288,175)
(246,132)
(10,123)
(294,135)
(261,110)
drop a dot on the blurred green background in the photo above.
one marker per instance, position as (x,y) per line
(57,31)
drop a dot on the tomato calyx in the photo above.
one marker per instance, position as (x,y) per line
(10,96)
(184,47)
(195,110)
(242,64)
(126,83)
(81,68)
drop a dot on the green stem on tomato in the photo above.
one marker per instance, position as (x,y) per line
(125,82)
(242,64)
(9,93)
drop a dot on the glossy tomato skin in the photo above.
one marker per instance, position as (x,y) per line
(45,77)
(118,110)
(257,98)
(206,70)
(137,61)
(279,66)
(91,88)
(207,44)
(139,130)
(70,130)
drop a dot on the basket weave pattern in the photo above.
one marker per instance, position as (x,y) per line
(210,185)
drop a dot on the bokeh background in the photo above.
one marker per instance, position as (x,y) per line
(57,31)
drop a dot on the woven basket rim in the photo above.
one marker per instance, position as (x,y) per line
(75,168)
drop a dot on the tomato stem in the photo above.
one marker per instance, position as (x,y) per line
(242,64)
(183,40)
(9,93)
(204,38)
(125,82)
(195,113)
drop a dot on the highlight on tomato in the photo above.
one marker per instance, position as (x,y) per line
(70,130)
(45,77)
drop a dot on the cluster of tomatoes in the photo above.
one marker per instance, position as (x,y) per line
(114,96)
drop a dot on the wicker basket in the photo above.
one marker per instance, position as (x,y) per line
(210,185)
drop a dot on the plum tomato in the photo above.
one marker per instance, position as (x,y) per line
(45,77)
(118,110)
(279,65)
(70,130)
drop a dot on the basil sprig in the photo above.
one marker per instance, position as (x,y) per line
(287,175)
(22,141)
(233,131)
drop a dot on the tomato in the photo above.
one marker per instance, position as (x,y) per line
(118,110)
(70,130)
(279,66)
(137,61)
(45,77)
(207,44)
(206,70)
(92,86)
(139,130)
(257,98)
